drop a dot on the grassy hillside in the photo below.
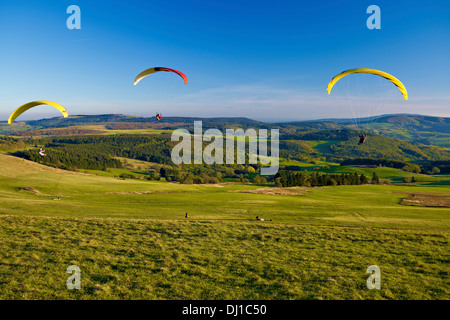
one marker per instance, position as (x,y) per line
(148,259)
(415,128)
(379,147)
(131,240)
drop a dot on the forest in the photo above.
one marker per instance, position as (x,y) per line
(316,179)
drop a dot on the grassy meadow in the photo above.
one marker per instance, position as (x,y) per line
(131,239)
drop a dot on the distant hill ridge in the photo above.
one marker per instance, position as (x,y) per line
(414,128)
(401,118)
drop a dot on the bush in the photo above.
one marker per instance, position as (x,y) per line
(198,180)
(278,182)
(213,180)
(435,170)
(375,179)
(126,176)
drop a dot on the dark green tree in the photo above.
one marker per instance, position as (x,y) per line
(375,179)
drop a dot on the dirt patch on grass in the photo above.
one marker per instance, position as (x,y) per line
(32,190)
(292,191)
(147,192)
(427,200)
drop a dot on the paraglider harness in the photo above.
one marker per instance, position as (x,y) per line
(362,138)
(41,152)
(158,116)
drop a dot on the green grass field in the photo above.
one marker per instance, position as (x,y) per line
(137,131)
(307,165)
(131,239)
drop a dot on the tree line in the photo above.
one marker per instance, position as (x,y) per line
(316,179)
(428,167)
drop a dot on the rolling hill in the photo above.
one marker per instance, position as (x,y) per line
(132,241)
(399,137)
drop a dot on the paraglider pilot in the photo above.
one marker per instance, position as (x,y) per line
(362,138)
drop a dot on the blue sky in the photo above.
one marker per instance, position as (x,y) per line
(264,60)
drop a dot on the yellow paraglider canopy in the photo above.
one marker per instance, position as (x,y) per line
(385,75)
(32,104)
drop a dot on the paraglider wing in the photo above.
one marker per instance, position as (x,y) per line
(385,75)
(147,72)
(32,104)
